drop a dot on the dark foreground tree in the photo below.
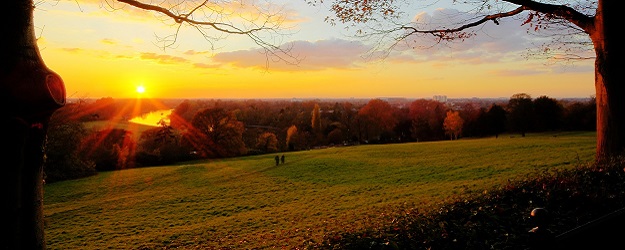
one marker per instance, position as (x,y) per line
(583,24)
(30,93)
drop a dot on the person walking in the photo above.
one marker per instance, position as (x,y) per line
(277,160)
(282,159)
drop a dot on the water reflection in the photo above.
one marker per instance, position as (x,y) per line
(152,118)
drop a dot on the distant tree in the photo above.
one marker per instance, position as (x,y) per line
(291,135)
(110,149)
(347,118)
(580,116)
(547,114)
(427,119)
(404,125)
(496,119)
(521,113)
(335,133)
(453,124)
(470,112)
(216,133)
(575,30)
(316,118)
(479,127)
(267,142)
(101,109)
(379,117)
(180,116)
(161,145)
(336,136)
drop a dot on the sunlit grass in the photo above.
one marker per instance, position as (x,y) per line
(249,203)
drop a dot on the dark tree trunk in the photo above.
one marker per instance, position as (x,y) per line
(30,93)
(609,80)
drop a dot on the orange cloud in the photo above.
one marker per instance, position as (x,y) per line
(193,52)
(162,59)
(72,50)
(108,41)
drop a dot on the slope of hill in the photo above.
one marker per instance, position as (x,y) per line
(250,203)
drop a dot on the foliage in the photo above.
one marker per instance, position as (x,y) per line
(496,119)
(581,116)
(62,159)
(161,145)
(547,114)
(315,120)
(378,118)
(216,132)
(341,123)
(291,133)
(267,142)
(110,149)
(521,113)
(453,124)
(427,119)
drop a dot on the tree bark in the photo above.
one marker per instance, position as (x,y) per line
(609,80)
(29,94)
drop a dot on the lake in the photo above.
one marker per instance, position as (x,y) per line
(152,118)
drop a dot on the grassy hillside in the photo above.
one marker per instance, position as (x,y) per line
(248,202)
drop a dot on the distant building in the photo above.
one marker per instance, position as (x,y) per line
(440,98)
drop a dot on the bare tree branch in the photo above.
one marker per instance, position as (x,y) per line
(264,28)
(446,34)
(552,18)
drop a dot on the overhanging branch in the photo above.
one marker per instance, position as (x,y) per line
(180,18)
(262,31)
(447,34)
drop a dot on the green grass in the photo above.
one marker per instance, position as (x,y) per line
(249,203)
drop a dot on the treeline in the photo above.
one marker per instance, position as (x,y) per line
(201,129)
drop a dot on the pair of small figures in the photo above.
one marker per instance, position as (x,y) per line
(279,159)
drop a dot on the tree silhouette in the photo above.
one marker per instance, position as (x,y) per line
(547,114)
(574,27)
(31,92)
(521,113)
(217,133)
(496,119)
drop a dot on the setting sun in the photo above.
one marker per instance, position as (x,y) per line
(140,89)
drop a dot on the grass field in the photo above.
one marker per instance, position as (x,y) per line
(249,203)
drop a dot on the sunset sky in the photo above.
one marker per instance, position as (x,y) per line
(101,52)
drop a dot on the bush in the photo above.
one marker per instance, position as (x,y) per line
(62,160)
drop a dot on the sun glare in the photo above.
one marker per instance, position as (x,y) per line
(140,89)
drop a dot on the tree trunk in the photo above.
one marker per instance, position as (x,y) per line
(30,93)
(609,80)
